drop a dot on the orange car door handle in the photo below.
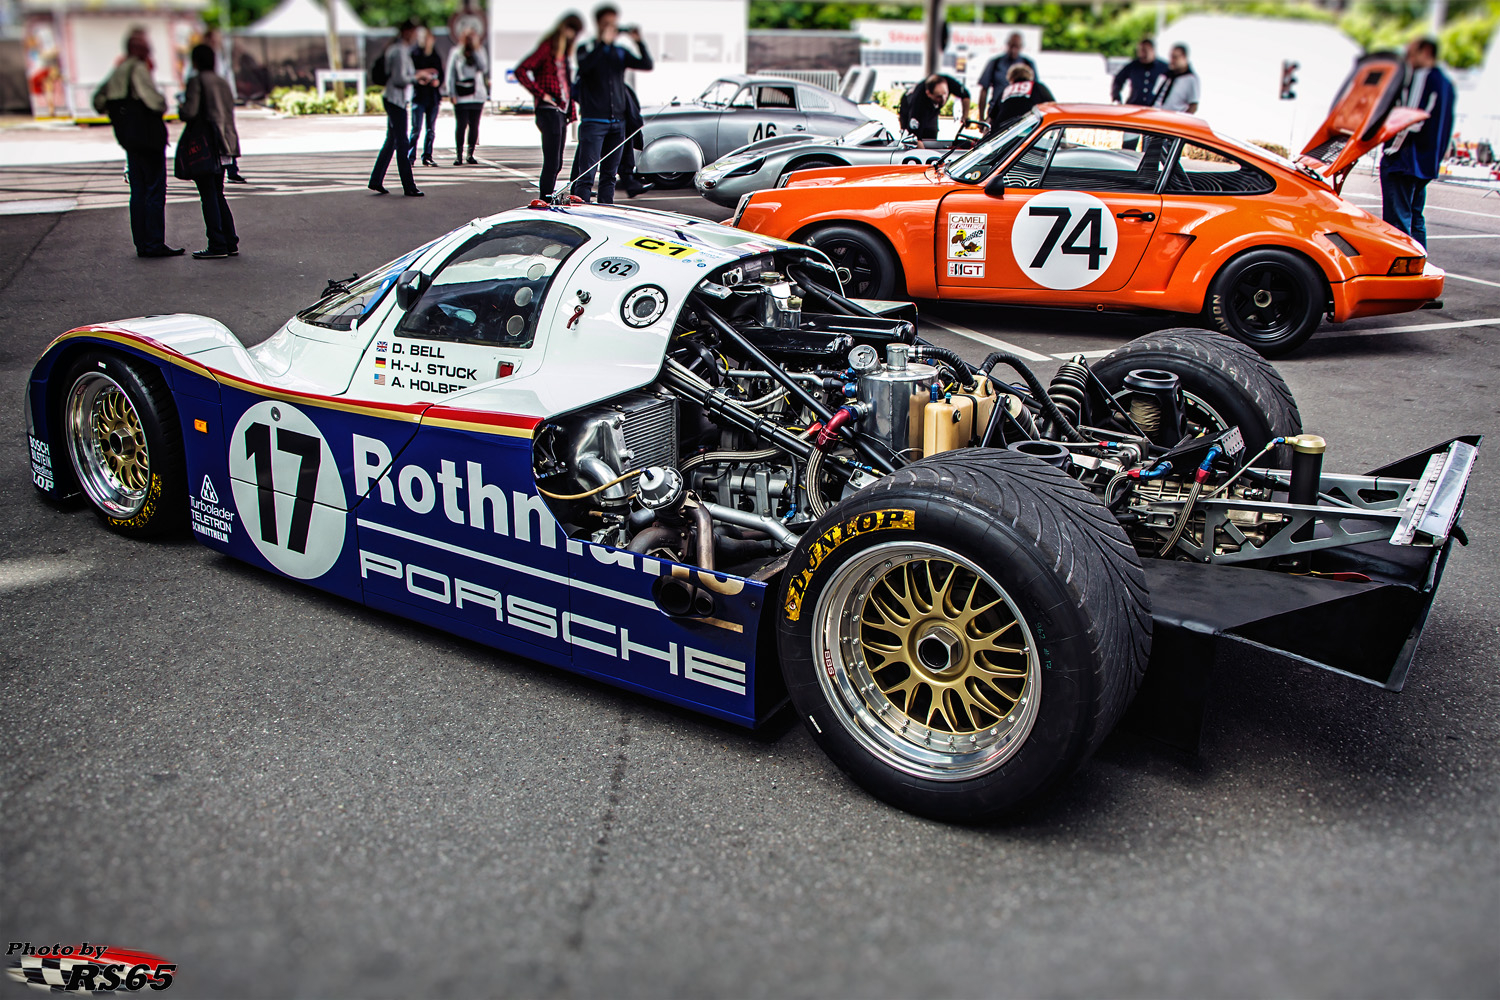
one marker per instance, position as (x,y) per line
(1136,215)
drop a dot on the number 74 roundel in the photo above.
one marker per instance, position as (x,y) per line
(1064,239)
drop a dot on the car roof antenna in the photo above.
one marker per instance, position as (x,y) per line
(564,193)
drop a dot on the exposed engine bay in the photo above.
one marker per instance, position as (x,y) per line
(779,397)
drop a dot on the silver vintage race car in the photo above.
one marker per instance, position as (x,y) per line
(735,110)
(763,164)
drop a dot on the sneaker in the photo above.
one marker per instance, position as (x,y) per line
(428,161)
(378,188)
(210,254)
(458,162)
(472,161)
(163,251)
(413,193)
(235,179)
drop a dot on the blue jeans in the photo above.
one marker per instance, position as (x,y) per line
(594,139)
(395,139)
(1403,200)
(148,199)
(218,221)
(422,111)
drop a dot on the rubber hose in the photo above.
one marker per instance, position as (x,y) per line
(1049,406)
(958,364)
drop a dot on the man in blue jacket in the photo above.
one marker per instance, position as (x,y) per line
(603,103)
(1413,157)
(1140,75)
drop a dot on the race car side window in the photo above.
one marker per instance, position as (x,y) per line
(1107,159)
(491,290)
(1200,170)
(1026,170)
(744,99)
(814,101)
(776,97)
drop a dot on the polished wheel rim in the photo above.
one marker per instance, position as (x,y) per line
(108,445)
(1268,301)
(864,273)
(926,661)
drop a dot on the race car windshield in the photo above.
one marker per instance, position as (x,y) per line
(868,134)
(353,300)
(719,93)
(981,161)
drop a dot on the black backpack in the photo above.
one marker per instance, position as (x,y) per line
(380,72)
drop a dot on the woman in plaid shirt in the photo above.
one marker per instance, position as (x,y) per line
(545,74)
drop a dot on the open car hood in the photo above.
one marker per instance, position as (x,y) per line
(1364,116)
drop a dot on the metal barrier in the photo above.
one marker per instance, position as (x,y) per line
(828,79)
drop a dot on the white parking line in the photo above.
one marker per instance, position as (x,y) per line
(1457,324)
(38,206)
(988,341)
(1468,236)
(1375,200)
(1477,281)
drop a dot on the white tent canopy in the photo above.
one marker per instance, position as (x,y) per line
(293,18)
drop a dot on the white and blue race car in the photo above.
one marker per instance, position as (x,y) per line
(666,454)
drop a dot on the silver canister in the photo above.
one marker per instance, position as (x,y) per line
(898,394)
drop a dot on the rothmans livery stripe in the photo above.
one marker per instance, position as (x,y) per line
(478,421)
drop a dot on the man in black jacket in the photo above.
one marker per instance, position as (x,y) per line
(1140,75)
(603,103)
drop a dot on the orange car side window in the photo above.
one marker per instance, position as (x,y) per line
(1205,171)
(1107,159)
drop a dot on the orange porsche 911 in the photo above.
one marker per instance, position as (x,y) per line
(1117,207)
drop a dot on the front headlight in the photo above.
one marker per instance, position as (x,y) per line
(739,209)
(1407,265)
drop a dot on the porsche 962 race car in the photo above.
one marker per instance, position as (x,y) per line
(667,454)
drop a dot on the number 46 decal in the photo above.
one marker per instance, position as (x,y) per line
(287,488)
(1064,239)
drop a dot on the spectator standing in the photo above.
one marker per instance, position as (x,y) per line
(603,104)
(1140,75)
(1178,89)
(545,75)
(996,76)
(921,106)
(210,102)
(1020,95)
(634,132)
(215,41)
(134,105)
(1412,158)
(400,75)
(468,90)
(426,97)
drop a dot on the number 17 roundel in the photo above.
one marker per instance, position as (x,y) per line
(1064,239)
(287,489)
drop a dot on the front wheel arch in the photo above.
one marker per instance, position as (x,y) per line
(898,282)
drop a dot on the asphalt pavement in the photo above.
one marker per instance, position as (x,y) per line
(286,794)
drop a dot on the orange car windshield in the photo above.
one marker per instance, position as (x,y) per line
(978,163)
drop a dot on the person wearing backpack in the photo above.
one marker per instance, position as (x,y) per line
(396,72)
(467,89)
(134,105)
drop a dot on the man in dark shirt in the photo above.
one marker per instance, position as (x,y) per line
(1140,75)
(603,104)
(1022,93)
(996,76)
(921,105)
(426,96)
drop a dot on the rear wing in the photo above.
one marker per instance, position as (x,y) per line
(1364,115)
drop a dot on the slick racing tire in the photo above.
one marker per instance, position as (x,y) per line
(872,268)
(816,163)
(1271,299)
(124,443)
(1224,384)
(961,635)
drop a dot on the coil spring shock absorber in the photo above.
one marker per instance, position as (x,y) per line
(1069,388)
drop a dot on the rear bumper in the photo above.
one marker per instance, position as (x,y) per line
(1378,294)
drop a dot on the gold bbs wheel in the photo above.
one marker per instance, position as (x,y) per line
(108,445)
(928,662)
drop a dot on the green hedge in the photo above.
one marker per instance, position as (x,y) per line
(304,101)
